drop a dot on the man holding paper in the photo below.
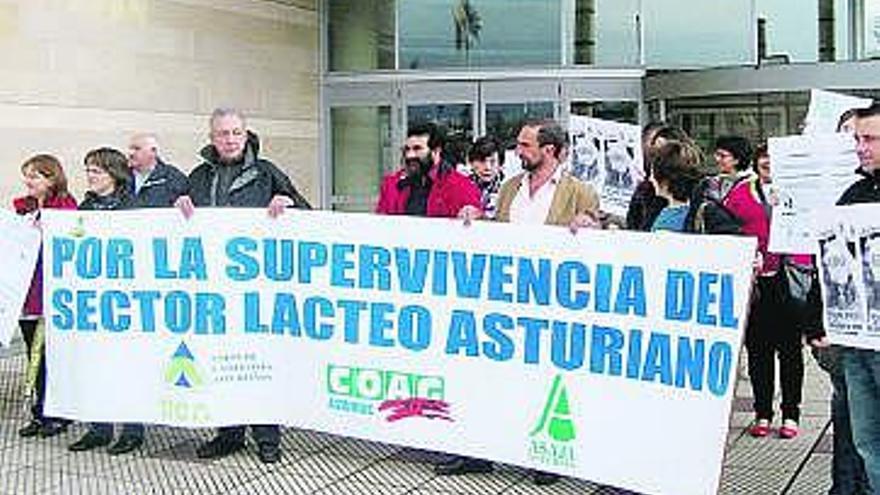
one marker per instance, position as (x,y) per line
(862,366)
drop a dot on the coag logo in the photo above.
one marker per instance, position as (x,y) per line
(401,395)
(552,437)
(181,370)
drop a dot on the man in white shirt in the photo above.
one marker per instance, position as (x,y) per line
(544,194)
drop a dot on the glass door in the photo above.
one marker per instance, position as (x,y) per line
(358,144)
(452,106)
(508,104)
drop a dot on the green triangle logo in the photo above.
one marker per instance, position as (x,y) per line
(556,418)
(181,370)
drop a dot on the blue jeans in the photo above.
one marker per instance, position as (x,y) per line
(862,370)
(847,468)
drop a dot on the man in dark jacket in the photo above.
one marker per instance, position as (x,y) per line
(233,175)
(156,184)
(861,367)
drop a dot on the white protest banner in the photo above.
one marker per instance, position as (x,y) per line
(587,355)
(20,245)
(849,271)
(825,110)
(607,155)
(809,174)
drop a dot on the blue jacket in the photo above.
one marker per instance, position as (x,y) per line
(162,188)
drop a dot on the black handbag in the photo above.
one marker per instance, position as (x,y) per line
(796,280)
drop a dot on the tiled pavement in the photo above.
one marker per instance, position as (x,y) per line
(326,464)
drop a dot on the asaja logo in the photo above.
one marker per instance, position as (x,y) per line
(551,440)
(181,403)
(181,370)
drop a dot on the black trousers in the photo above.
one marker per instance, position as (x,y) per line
(771,333)
(263,434)
(128,429)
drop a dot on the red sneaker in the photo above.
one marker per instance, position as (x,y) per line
(789,429)
(760,429)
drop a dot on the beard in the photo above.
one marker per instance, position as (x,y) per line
(230,160)
(530,166)
(418,167)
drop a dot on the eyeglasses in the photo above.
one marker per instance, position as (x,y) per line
(95,171)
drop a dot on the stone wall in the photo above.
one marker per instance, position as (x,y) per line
(77,74)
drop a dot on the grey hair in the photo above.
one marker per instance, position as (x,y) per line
(147,135)
(225,112)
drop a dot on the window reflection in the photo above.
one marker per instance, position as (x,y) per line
(468,33)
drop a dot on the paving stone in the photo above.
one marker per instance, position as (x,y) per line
(814,478)
(392,472)
(281,483)
(314,462)
(494,482)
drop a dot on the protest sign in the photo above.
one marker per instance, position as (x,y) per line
(827,107)
(607,155)
(587,355)
(849,271)
(20,245)
(809,174)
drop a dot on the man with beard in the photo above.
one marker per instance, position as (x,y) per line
(544,194)
(233,175)
(427,186)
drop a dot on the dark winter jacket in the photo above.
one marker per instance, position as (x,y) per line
(255,184)
(644,206)
(866,190)
(162,188)
(119,200)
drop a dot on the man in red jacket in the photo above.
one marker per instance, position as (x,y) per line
(426,185)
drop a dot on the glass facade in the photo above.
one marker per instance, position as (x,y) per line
(360,35)
(869,26)
(361,152)
(791,29)
(455,119)
(469,33)
(756,116)
(618,111)
(503,120)
(616,33)
(393,62)
(665,34)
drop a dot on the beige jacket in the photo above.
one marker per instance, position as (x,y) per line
(572,197)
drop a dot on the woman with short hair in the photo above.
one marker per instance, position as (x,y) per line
(109,188)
